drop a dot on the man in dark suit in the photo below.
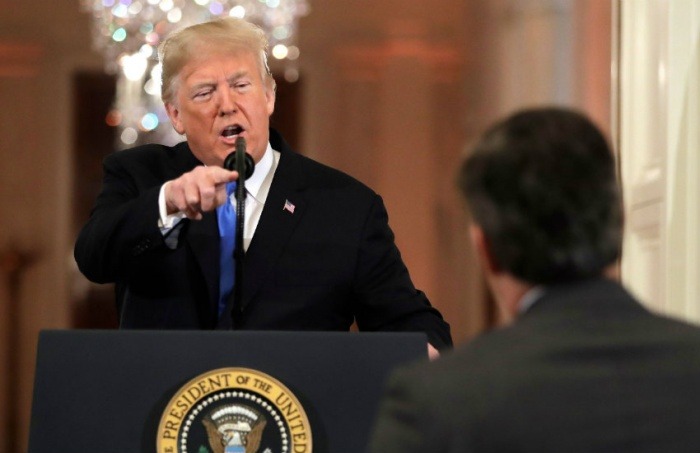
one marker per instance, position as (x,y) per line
(583,367)
(320,254)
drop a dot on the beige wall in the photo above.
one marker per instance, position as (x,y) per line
(41,44)
(659,113)
(392,90)
(384,101)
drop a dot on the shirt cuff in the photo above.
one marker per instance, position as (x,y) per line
(165,221)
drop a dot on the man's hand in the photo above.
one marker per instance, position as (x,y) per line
(198,191)
(432,352)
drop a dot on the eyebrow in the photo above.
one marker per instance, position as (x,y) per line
(232,78)
(202,85)
(236,76)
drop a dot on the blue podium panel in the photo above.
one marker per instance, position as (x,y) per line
(106,391)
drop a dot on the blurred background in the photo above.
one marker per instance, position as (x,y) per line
(389,91)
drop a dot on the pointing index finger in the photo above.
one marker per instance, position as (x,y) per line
(223,176)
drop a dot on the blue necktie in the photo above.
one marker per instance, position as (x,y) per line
(226,215)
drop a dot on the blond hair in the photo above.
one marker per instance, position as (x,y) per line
(221,36)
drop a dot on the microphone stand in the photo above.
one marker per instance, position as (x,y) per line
(244,165)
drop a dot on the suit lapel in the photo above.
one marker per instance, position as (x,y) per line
(284,208)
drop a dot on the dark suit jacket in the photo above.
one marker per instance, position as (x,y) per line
(330,262)
(586,369)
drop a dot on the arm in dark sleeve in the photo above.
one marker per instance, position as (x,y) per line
(123,224)
(388,301)
(403,422)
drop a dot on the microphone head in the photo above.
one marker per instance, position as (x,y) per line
(249,164)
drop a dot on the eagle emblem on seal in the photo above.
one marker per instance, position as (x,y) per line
(234,428)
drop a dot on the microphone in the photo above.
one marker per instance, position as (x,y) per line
(240,161)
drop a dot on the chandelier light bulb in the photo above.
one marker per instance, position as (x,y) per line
(237,11)
(121,11)
(152,87)
(166,5)
(135,8)
(157,72)
(119,35)
(149,121)
(292,53)
(134,66)
(280,51)
(174,15)
(216,8)
(129,136)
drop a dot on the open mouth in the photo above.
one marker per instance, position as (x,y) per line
(230,131)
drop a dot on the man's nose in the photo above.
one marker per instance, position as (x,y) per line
(227,102)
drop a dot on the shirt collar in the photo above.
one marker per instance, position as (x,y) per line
(262,169)
(530,297)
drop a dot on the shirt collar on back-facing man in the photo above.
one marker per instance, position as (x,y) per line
(530,298)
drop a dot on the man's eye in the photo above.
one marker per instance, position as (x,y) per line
(202,95)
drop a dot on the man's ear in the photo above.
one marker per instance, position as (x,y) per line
(270,96)
(175,119)
(482,245)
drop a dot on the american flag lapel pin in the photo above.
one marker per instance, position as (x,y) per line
(288,206)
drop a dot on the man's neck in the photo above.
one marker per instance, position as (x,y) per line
(509,292)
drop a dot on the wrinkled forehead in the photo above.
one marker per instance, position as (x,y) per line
(215,68)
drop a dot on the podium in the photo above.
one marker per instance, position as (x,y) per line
(117,391)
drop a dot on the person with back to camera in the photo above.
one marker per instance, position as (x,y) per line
(583,366)
(319,251)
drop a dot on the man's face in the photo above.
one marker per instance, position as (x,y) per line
(219,98)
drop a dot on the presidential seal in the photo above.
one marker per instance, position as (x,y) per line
(234,410)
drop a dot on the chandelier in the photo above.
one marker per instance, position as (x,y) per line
(128,32)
